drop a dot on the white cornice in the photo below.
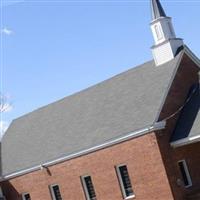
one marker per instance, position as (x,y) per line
(126,137)
(185,141)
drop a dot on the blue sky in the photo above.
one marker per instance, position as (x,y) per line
(51,49)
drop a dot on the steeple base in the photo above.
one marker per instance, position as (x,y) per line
(166,51)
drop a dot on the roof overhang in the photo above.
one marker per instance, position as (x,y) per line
(191,55)
(125,137)
(186,141)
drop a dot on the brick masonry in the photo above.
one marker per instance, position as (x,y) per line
(151,161)
(143,159)
(186,76)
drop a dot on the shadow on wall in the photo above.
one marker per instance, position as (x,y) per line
(9,191)
(189,114)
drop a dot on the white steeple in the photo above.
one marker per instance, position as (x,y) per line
(166,43)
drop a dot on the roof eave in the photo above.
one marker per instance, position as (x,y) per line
(170,83)
(185,141)
(156,126)
(191,55)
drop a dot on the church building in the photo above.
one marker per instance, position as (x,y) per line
(133,136)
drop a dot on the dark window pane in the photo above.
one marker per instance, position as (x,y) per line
(126,181)
(56,191)
(27,197)
(90,188)
(183,172)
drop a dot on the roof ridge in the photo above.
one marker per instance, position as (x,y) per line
(125,103)
(85,89)
(179,57)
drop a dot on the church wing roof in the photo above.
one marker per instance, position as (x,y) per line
(188,126)
(125,103)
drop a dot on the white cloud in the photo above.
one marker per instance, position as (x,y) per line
(5,105)
(3,127)
(7,31)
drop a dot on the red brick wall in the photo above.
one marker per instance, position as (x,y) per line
(186,76)
(141,155)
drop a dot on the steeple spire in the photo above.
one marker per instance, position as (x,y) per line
(166,43)
(157,9)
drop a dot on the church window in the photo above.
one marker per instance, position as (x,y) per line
(26,196)
(55,192)
(125,182)
(185,173)
(88,188)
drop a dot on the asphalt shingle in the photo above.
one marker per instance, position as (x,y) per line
(125,103)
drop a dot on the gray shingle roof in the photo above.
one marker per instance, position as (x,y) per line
(188,125)
(127,102)
(157,10)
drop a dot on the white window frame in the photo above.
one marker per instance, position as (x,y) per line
(52,191)
(24,194)
(158,32)
(85,186)
(121,182)
(186,172)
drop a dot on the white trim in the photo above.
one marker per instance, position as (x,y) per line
(130,197)
(23,195)
(158,32)
(121,182)
(85,186)
(187,173)
(192,56)
(125,137)
(1,193)
(52,191)
(159,19)
(197,137)
(170,84)
(185,141)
